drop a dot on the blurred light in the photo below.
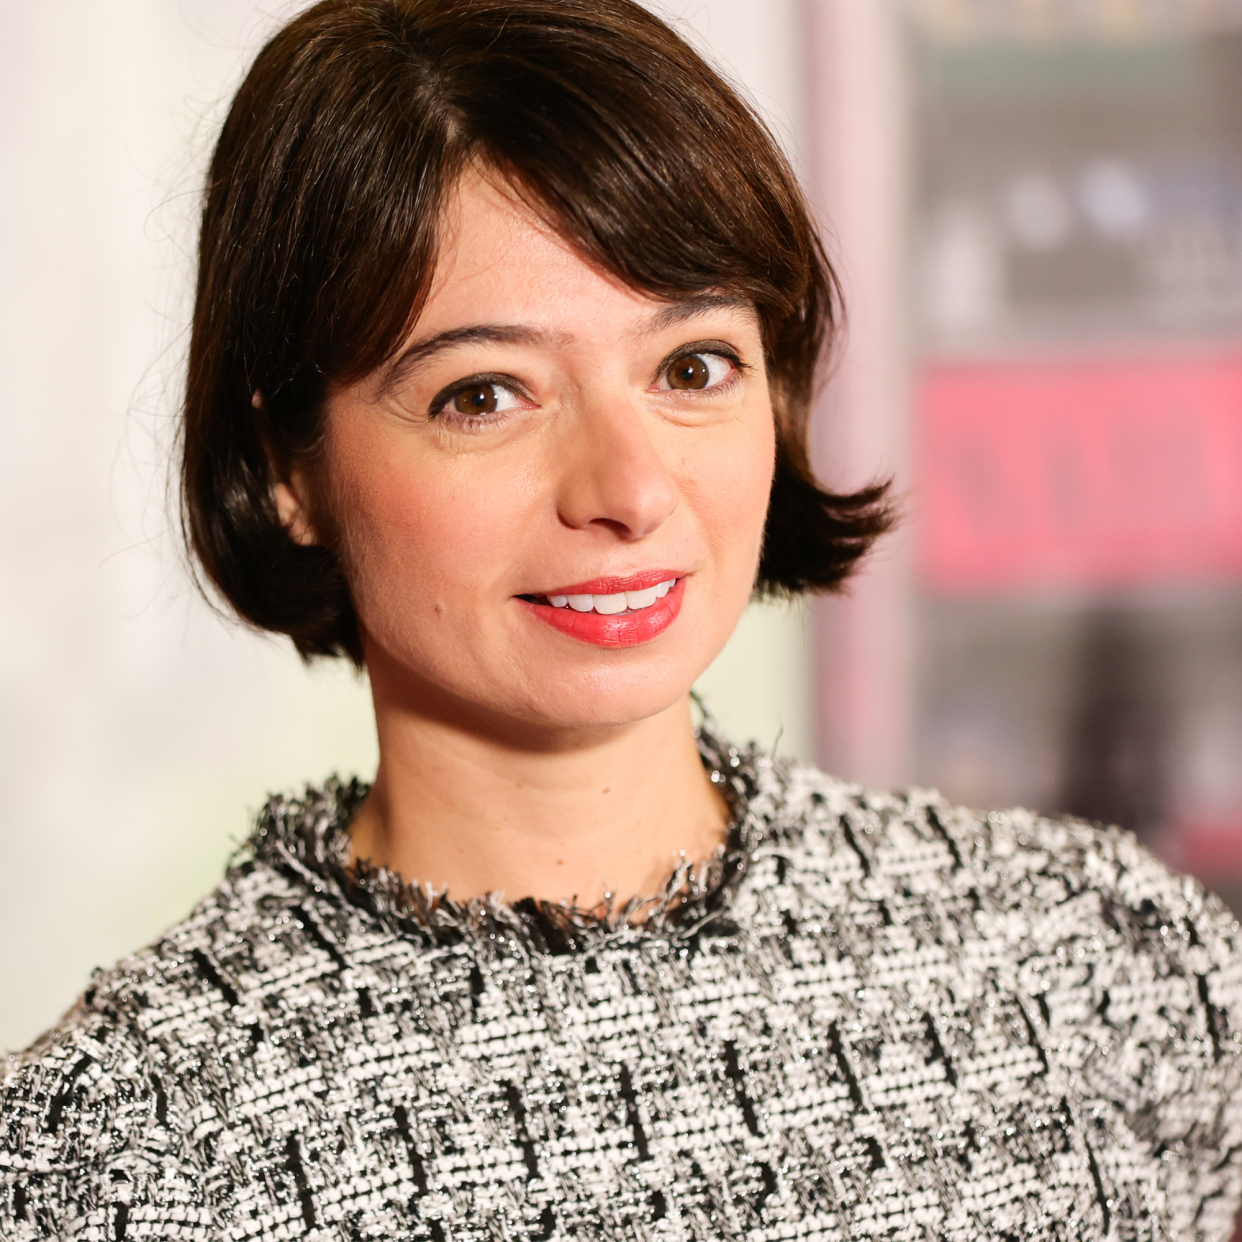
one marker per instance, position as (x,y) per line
(1114,200)
(1039,214)
(965,270)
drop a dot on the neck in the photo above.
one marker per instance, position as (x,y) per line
(585,815)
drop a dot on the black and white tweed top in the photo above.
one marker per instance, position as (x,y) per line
(872,1016)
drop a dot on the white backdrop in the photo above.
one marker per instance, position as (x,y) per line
(138,730)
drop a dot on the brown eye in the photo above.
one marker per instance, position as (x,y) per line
(481,399)
(690,371)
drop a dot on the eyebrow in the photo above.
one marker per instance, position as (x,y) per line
(689,308)
(489,333)
(516,334)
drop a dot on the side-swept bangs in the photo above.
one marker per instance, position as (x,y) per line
(319,236)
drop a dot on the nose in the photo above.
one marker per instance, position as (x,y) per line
(614,477)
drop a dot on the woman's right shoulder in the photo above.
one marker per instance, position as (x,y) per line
(90,1123)
(86,1125)
(158,983)
(108,1108)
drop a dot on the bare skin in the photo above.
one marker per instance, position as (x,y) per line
(567,430)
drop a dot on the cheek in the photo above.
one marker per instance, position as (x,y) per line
(732,492)
(423,537)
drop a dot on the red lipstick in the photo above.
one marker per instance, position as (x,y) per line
(626,629)
(614,586)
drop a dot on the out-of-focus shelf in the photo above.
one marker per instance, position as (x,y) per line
(1075,279)
(1125,22)
(1061,334)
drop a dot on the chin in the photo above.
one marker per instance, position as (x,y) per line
(611,710)
(592,689)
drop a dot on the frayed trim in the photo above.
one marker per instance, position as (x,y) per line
(309,836)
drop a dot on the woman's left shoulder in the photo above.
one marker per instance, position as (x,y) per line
(1053,890)
(1067,973)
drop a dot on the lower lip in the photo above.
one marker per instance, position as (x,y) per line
(629,629)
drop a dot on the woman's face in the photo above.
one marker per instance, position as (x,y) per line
(513,498)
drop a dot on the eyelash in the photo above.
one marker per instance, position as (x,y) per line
(706,349)
(506,383)
(441,401)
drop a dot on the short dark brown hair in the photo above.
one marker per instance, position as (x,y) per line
(320,231)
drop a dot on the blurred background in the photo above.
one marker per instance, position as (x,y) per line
(1036,208)
(1074,285)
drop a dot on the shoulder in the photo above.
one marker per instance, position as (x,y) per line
(86,1131)
(88,1124)
(1105,940)
(1121,980)
(1033,879)
(102,1120)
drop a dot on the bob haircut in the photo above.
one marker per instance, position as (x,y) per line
(320,231)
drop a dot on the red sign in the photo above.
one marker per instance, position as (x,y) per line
(1080,474)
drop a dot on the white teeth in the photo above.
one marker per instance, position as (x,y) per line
(610,605)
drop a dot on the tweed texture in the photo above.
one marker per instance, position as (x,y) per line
(873,1016)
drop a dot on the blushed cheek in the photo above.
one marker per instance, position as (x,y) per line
(397,537)
(421,549)
(741,493)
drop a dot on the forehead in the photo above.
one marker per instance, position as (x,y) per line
(497,252)
(501,260)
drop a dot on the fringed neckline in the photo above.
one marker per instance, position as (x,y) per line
(307,838)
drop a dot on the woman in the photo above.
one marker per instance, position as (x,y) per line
(506,325)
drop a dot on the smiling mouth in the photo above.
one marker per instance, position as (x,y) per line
(614,604)
(612,612)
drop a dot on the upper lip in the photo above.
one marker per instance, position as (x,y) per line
(615,586)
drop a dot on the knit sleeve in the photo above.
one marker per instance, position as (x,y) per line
(1158,1042)
(90,1147)
(1193,1111)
